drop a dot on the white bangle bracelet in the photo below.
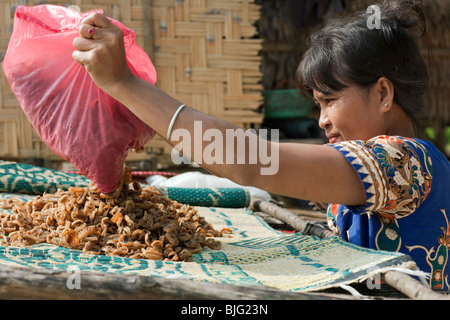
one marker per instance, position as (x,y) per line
(172,122)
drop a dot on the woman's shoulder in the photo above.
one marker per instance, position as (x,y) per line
(395,148)
(401,142)
(391,155)
(408,149)
(397,172)
(398,143)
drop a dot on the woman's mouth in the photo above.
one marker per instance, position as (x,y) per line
(333,138)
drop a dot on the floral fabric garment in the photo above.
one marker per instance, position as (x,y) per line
(407,184)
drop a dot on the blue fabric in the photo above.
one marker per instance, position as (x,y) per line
(407,184)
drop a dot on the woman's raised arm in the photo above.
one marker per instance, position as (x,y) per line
(310,172)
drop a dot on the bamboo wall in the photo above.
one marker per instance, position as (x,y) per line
(207,58)
(203,50)
(437,97)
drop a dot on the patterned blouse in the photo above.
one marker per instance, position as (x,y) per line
(407,184)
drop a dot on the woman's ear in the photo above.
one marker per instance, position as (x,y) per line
(384,90)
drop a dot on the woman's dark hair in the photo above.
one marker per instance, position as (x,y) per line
(351,51)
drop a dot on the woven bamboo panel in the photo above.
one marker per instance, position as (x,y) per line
(206,56)
(438,95)
(203,50)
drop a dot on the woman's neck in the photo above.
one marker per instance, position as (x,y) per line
(400,123)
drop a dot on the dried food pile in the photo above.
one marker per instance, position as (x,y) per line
(132,222)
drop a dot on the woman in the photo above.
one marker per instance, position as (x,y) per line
(386,189)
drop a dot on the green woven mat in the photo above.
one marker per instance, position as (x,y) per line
(255,254)
(27,179)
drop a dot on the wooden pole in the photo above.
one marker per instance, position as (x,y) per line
(400,281)
(303,226)
(411,287)
(46,284)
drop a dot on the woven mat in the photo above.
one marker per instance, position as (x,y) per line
(32,180)
(254,254)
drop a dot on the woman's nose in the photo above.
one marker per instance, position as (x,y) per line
(324,120)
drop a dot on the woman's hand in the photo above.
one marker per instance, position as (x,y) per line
(100,49)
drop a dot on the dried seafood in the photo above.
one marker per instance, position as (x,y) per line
(132,222)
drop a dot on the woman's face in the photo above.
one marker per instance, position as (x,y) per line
(350,114)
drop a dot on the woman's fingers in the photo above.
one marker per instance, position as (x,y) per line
(81,57)
(97,20)
(91,32)
(83,44)
(92,26)
(83,47)
(100,49)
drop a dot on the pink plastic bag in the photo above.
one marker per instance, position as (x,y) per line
(77,120)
